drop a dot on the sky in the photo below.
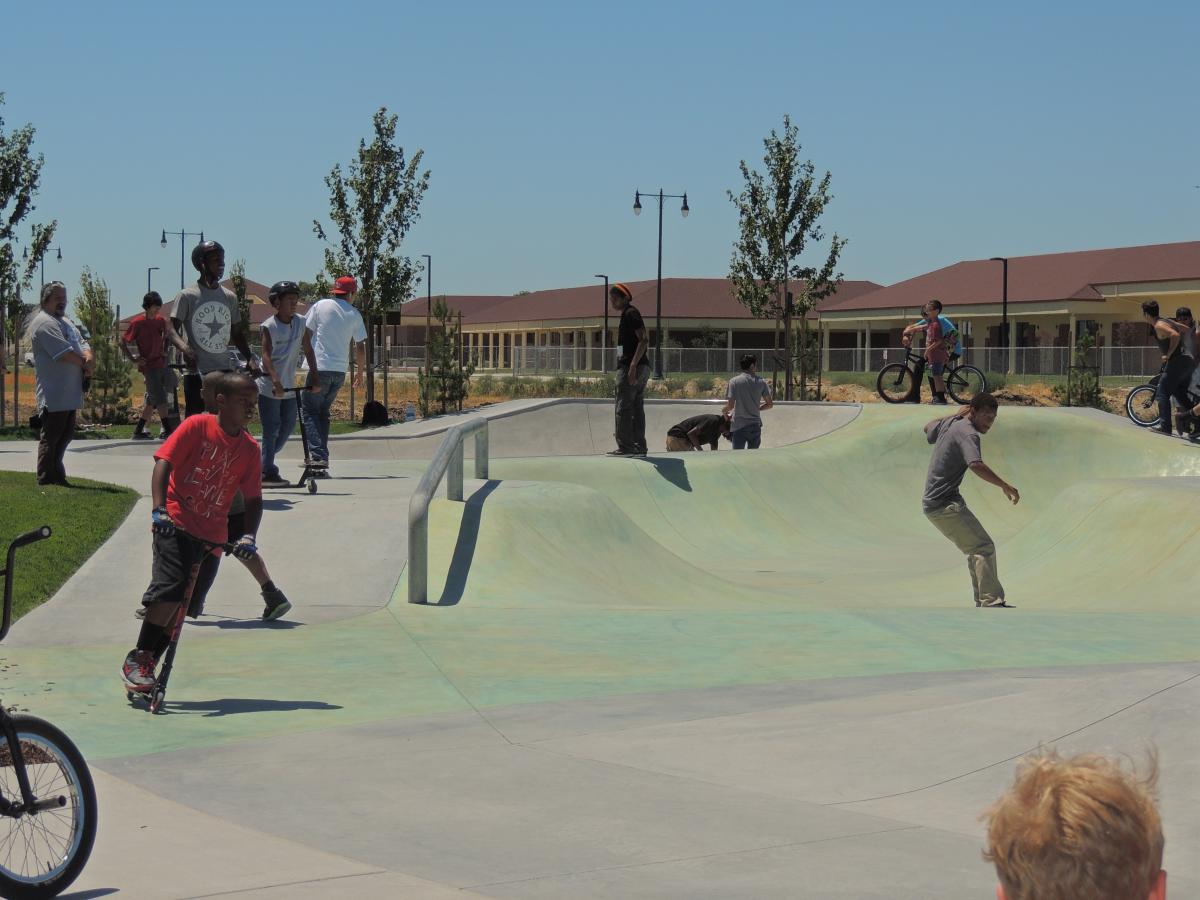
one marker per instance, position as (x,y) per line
(951,132)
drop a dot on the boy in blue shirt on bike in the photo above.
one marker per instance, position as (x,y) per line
(940,335)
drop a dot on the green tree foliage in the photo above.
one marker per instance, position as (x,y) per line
(447,382)
(20,176)
(709,338)
(778,215)
(1082,387)
(312,291)
(107,399)
(372,208)
(237,277)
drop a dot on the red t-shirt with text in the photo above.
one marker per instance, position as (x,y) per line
(149,335)
(208,467)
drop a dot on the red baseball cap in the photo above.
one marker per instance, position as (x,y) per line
(347,284)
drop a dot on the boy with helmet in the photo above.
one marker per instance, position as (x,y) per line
(334,323)
(284,337)
(207,313)
(147,336)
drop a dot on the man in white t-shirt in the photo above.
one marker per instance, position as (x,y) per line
(333,323)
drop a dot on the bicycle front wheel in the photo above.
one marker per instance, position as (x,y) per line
(41,853)
(965,382)
(1142,407)
(895,383)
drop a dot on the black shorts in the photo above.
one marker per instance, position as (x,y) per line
(174,556)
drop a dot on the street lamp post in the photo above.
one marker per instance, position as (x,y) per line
(428,304)
(42,260)
(604,333)
(1004,335)
(637,211)
(183,236)
(149,269)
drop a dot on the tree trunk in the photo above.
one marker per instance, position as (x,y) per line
(804,356)
(775,362)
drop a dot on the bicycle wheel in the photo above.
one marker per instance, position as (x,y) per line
(42,853)
(965,382)
(1141,407)
(895,383)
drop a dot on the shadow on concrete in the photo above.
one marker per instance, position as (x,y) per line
(88,895)
(211,621)
(672,469)
(464,547)
(278,504)
(232,706)
(365,477)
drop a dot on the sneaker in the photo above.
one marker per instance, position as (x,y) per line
(940,401)
(275,481)
(140,612)
(620,453)
(320,473)
(142,436)
(315,463)
(276,604)
(996,604)
(138,670)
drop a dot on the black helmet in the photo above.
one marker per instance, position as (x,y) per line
(279,288)
(202,250)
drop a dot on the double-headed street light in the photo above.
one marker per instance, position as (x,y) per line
(637,211)
(42,260)
(604,333)
(183,236)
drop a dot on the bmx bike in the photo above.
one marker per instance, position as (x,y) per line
(901,382)
(47,799)
(1141,403)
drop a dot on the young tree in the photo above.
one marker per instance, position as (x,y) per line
(20,176)
(447,381)
(778,215)
(373,207)
(107,399)
(237,277)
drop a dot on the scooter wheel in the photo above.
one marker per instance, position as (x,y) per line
(312,486)
(156,701)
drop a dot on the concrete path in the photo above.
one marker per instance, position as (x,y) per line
(695,675)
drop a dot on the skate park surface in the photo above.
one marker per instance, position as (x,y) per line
(690,675)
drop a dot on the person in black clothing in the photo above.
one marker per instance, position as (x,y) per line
(1177,365)
(694,433)
(633,371)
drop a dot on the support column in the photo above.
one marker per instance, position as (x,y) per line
(859,365)
(729,349)
(824,334)
(589,338)
(867,342)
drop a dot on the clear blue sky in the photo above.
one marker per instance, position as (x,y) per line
(952,132)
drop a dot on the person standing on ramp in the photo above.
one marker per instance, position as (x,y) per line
(633,371)
(956,449)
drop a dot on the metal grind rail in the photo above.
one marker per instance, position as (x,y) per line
(448,461)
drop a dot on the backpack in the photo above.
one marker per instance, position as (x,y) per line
(375,414)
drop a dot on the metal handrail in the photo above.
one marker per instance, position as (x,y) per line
(447,461)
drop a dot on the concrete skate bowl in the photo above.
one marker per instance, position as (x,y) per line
(570,427)
(1102,545)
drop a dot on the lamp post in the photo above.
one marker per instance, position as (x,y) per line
(1004,336)
(428,303)
(604,333)
(149,269)
(183,236)
(637,211)
(42,260)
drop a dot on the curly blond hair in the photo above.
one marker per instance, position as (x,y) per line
(1084,827)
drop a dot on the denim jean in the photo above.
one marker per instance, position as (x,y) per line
(748,437)
(316,413)
(1174,383)
(630,412)
(278,415)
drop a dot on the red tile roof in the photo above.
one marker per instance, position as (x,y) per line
(260,306)
(682,298)
(1046,277)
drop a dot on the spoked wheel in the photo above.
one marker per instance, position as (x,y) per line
(312,486)
(1141,406)
(156,700)
(895,383)
(42,852)
(964,383)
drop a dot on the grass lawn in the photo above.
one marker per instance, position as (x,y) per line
(82,517)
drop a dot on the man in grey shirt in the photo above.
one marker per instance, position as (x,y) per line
(61,361)
(208,315)
(956,441)
(746,397)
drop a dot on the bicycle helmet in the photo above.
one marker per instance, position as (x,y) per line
(279,288)
(202,250)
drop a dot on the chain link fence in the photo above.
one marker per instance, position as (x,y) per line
(1132,362)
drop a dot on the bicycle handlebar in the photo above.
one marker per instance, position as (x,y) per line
(29,537)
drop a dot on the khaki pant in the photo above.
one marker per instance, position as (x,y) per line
(959,524)
(675,444)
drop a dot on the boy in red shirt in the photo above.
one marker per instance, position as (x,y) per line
(148,336)
(937,354)
(207,460)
